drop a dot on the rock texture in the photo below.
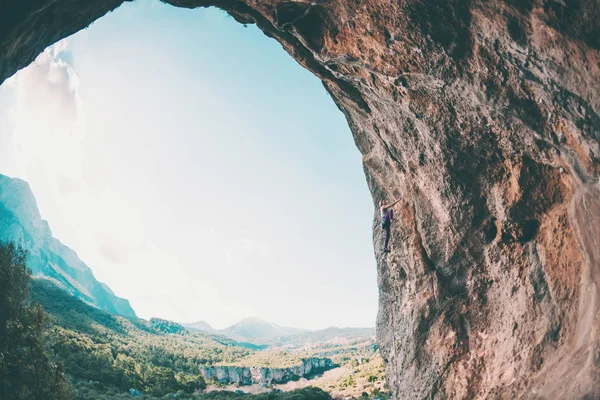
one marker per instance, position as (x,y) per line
(240,375)
(483,117)
(48,258)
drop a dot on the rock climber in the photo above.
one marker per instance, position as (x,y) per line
(387,215)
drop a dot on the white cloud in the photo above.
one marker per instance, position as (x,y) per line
(43,133)
(45,127)
(160,285)
(254,246)
(48,119)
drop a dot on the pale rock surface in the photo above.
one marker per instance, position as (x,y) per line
(241,375)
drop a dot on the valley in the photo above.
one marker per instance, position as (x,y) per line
(106,354)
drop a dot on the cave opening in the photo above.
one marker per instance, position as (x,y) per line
(190,161)
(481,116)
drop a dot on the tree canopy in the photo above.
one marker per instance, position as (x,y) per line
(27,369)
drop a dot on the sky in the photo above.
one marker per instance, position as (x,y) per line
(197,169)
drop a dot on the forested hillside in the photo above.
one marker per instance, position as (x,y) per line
(54,346)
(127,353)
(108,356)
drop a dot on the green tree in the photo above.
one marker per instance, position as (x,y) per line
(26,369)
(190,383)
(126,365)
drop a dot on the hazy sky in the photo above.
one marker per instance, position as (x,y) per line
(197,169)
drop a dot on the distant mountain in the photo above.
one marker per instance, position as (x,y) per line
(335,332)
(331,335)
(264,334)
(20,222)
(199,326)
(258,331)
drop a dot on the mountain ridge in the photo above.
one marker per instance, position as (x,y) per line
(259,331)
(200,326)
(48,257)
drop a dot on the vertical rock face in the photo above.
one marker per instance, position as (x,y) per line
(483,118)
(241,375)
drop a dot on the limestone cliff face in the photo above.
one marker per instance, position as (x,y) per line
(483,117)
(47,257)
(265,376)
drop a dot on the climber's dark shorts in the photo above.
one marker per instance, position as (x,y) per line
(387,229)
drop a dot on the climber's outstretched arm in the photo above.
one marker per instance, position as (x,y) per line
(394,203)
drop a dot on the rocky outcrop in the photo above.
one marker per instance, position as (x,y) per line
(483,117)
(47,257)
(241,375)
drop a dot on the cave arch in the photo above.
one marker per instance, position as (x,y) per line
(476,113)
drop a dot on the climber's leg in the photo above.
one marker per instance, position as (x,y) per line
(387,228)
